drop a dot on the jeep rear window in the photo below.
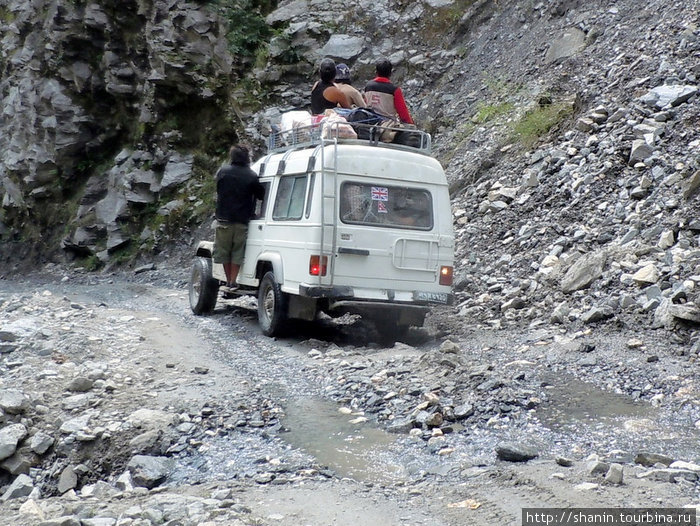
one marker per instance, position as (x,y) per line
(289,203)
(387,206)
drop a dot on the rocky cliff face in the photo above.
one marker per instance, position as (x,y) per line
(103,105)
(568,130)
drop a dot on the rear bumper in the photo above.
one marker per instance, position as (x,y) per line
(343,293)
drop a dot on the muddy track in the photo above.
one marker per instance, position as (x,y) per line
(289,432)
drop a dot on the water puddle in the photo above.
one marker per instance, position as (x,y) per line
(585,411)
(354,450)
(572,402)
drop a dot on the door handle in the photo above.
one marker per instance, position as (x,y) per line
(354,251)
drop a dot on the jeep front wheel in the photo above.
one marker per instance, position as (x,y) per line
(272,306)
(203,288)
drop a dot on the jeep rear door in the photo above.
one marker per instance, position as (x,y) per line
(387,235)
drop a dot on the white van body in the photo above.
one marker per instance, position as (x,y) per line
(347,226)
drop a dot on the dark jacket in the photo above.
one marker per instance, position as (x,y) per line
(237,188)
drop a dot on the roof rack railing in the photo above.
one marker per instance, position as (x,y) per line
(352,133)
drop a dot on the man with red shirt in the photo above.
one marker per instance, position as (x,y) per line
(384,97)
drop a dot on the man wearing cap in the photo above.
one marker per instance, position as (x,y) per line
(342,80)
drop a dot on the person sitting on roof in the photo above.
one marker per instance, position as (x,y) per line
(384,97)
(342,80)
(324,93)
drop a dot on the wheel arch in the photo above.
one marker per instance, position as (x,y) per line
(270,261)
(205,249)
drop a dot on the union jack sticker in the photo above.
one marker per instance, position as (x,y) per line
(380,193)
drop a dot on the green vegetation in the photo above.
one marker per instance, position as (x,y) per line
(90,263)
(446,19)
(6,16)
(488,112)
(247,29)
(538,121)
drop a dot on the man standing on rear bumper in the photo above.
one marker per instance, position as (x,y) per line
(237,188)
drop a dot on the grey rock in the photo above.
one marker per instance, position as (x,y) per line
(13,401)
(76,425)
(66,520)
(344,47)
(686,311)
(7,348)
(564,462)
(22,486)
(80,384)
(647,275)
(566,45)
(20,462)
(596,467)
(148,471)
(650,459)
(68,480)
(583,272)
(151,419)
(124,482)
(560,314)
(463,411)
(692,185)
(615,474)
(400,425)
(145,442)
(670,475)
(177,171)
(669,95)
(641,150)
(10,436)
(99,521)
(515,452)
(596,314)
(514,303)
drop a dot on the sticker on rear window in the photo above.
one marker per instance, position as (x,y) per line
(380,193)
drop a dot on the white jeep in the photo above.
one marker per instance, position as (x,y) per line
(347,225)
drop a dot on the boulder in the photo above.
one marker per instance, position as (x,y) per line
(148,471)
(515,452)
(669,95)
(20,487)
(10,436)
(13,401)
(583,272)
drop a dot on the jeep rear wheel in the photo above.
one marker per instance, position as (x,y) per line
(203,288)
(272,306)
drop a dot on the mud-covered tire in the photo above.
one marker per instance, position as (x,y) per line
(272,306)
(203,288)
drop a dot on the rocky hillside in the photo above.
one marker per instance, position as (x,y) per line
(569,131)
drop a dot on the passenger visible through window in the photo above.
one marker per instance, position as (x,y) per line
(289,203)
(388,206)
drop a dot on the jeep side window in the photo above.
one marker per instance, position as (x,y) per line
(387,206)
(261,206)
(289,203)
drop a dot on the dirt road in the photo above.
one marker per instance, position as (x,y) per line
(326,426)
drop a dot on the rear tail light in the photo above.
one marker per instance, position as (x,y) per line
(446,276)
(317,266)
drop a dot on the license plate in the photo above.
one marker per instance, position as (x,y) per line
(433,297)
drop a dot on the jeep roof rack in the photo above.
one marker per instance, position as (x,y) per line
(307,136)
